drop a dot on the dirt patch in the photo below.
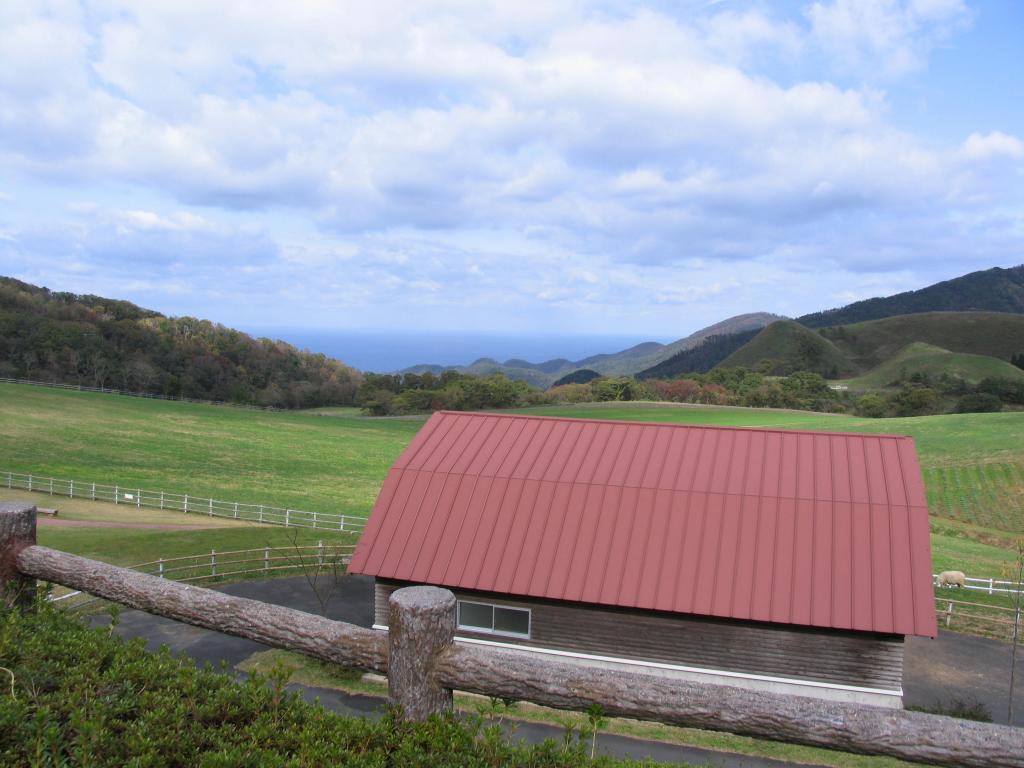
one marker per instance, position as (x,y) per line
(56,522)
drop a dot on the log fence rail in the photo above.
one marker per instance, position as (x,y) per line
(425,664)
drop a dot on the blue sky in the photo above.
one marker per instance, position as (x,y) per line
(553,167)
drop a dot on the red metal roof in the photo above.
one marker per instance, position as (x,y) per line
(811,528)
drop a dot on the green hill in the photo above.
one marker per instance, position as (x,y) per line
(701,358)
(98,342)
(990,290)
(869,344)
(933,361)
(788,347)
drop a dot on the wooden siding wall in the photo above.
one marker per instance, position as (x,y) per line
(828,656)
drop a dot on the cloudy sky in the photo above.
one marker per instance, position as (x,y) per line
(560,165)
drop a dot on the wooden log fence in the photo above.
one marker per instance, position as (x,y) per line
(189,503)
(424,664)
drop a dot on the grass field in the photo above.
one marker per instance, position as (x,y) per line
(324,461)
(131,546)
(334,460)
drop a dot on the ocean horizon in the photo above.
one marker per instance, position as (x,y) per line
(391,351)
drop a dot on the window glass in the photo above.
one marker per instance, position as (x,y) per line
(512,620)
(476,615)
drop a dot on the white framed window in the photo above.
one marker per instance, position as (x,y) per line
(494,619)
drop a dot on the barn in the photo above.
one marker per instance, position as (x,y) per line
(777,560)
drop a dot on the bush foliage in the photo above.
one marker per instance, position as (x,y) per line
(81,697)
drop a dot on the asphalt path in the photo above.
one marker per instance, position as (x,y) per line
(936,671)
(352,601)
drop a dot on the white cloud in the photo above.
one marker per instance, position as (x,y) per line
(993,144)
(595,155)
(895,34)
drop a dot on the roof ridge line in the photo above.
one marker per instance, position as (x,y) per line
(639,422)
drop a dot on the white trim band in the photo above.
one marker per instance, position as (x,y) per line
(677,667)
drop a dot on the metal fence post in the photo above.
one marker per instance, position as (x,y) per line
(421,625)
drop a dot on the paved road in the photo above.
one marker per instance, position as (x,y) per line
(353,602)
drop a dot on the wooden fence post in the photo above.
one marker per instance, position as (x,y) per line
(949,612)
(421,626)
(17,531)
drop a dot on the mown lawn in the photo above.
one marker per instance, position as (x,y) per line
(324,462)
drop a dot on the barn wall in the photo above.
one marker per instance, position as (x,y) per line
(828,656)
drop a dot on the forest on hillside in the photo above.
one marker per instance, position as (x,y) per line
(98,342)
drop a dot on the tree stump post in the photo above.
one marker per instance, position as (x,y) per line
(17,531)
(421,625)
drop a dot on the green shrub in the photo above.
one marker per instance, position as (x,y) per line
(81,697)
(982,402)
(915,401)
(872,407)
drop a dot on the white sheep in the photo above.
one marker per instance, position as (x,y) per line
(952,578)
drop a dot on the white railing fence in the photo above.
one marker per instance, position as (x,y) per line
(318,559)
(127,393)
(991,585)
(178,502)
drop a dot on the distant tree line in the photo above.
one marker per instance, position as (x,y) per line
(921,394)
(721,386)
(100,342)
(391,394)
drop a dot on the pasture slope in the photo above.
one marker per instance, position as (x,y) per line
(327,461)
(335,460)
(933,361)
